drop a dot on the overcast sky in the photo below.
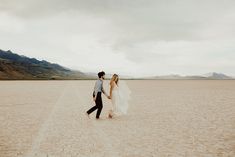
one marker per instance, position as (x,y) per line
(129,37)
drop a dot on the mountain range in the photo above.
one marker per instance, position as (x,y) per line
(19,67)
(208,76)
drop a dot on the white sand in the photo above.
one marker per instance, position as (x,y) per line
(166,118)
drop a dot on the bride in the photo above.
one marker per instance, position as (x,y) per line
(119,94)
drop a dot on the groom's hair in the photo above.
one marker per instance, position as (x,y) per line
(100,74)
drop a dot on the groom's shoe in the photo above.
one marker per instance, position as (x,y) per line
(99,118)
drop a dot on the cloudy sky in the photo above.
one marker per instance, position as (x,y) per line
(129,37)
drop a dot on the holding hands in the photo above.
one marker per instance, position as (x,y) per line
(109,97)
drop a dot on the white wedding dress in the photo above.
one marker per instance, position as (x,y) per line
(120,97)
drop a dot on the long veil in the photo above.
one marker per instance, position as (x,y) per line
(124,95)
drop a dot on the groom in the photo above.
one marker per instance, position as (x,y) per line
(98,90)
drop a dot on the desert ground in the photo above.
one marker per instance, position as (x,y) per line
(166,118)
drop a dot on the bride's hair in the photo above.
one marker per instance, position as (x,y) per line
(115,78)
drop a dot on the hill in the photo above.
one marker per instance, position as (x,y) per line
(18,67)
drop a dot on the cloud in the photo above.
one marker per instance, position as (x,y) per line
(130,37)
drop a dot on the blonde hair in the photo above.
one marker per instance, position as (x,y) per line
(114,78)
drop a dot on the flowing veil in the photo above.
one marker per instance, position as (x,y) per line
(122,96)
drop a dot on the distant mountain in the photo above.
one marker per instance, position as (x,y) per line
(14,66)
(215,75)
(208,76)
(18,67)
(176,77)
(173,76)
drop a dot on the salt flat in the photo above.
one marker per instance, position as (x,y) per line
(166,118)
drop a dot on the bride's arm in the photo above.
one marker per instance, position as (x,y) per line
(111,90)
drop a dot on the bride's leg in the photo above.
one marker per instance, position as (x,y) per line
(110,114)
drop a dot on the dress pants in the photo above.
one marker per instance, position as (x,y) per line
(98,106)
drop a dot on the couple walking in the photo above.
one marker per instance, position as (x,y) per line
(119,95)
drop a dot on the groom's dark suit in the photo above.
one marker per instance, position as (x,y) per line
(98,89)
